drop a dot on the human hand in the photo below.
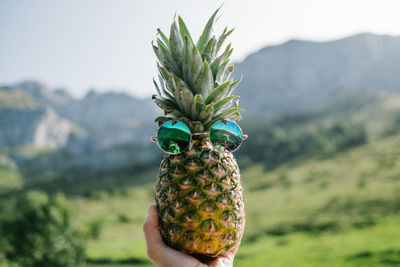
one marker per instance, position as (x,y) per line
(163,256)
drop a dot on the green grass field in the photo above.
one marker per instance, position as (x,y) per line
(338,211)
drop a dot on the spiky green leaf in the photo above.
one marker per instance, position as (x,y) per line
(207,113)
(228,112)
(234,104)
(205,36)
(163,89)
(223,115)
(177,113)
(220,70)
(233,86)
(163,37)
(187,59)
(205,82)
(183,29)
(186,99)
(208,53)
(195,69)
(218,93)
(235,116)
(231,105)
(222,38)
(155,49)
(166,59)
(219,64)
(196,106)
(227,52)
(179,83)
(223,102)
(162,119)
(157,88)
(176,44)
(227,73)
(166,104)
(170,82)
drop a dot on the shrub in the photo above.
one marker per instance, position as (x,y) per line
(95,228)
(39,232)
(278,142)
(123,218)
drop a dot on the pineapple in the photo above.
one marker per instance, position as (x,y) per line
(198,192)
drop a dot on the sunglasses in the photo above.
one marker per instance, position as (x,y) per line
(173,137)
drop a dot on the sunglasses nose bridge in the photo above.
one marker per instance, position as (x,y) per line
(204,134)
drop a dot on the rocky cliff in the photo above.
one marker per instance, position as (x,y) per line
(25,121)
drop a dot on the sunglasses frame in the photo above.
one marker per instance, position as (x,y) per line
(155,139)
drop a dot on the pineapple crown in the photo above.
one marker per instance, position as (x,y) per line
(194,79)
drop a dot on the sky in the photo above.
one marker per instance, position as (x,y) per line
(105,45)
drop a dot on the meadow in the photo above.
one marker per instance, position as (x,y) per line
(333,202)
(341,211)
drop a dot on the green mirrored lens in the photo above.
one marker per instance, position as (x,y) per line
(173,138)
(226,136)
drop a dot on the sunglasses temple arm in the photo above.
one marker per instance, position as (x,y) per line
(245,136)
(154,139)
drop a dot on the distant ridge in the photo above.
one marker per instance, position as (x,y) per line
(33,114)
(298,74)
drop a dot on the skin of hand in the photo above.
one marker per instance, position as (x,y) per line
(163,256)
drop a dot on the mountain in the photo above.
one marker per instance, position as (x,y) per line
(298,75)
(111,118)
(24,120)
(102,119)
(46,131)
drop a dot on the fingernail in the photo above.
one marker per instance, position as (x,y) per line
(149,209)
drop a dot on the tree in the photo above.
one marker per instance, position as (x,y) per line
(39,232)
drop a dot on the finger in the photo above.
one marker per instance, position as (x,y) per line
(150,227)
(151,233)
(223,261)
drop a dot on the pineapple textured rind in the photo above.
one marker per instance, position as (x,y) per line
(199,200)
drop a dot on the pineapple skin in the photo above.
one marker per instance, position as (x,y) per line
(199,201)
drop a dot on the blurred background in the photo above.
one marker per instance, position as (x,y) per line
(321,90)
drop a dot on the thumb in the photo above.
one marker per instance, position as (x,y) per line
(151,232)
